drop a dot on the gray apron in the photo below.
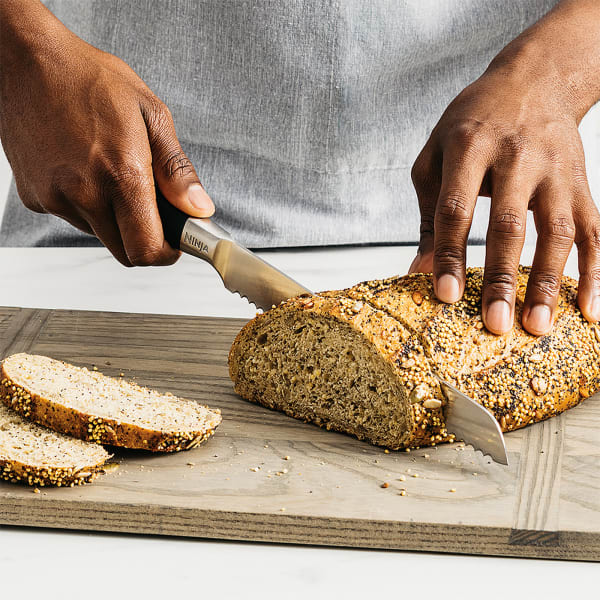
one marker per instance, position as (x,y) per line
(302,117)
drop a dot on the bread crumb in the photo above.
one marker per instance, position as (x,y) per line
(385,484)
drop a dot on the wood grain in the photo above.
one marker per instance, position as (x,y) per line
(241,487)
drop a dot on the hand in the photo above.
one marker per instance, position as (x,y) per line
(88,141)
(512,135)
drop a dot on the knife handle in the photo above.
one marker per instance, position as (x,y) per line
(198,237)
(173,220)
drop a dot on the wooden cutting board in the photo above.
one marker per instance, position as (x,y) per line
(267,477)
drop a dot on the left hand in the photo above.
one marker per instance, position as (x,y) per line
(512,135)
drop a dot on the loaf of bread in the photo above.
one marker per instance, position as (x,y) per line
(91,406)
(362,360)
(37,456)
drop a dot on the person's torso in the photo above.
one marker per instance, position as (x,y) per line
(303,117)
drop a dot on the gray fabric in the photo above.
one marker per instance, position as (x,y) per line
(302,117)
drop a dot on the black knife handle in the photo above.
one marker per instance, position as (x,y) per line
(173,220)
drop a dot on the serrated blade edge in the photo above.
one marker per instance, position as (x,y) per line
(473,423)
(244,272)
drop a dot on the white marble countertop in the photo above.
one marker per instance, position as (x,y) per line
(136,566)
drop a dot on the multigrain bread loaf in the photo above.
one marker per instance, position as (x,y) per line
(37,456)
(91,406)
(362,360)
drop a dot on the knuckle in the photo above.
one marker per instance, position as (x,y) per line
(517,144)
(127,177)
(591,239)
(508,222)
(447,254)
(427,225)
(559,230)
(593,275)
(500,282)
(579,175)
(469,134)
(453,206)
(419,171)
(159,113)
(177,164)
(465,132)
(546,283)
(145,256)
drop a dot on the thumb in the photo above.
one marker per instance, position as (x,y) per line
(173,170)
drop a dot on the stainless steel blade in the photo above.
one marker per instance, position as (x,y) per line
(241,270)
(471,422)
(252,277)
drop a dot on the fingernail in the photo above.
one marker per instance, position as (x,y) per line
(539,319)
(497,317)
(448,288)
(199,198)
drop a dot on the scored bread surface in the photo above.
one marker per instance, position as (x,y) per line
(363,360)
(35,455)
(91,406)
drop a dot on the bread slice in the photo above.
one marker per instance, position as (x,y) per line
(91,406)
(362,360)
(37,456)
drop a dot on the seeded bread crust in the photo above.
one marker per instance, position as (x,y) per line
(34,455)
(17,472)
(520,378)
(92,428)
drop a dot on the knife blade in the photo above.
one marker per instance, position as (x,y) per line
(473,423)
(240,269)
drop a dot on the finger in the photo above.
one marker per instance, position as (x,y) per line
(138,220)
(173,170)
(463,170)
(427,178)
(108,233)
(504,243)
(59,205)
(587,237)
(556,231)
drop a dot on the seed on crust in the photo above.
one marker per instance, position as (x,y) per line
(408,363)
(419,394)
(417,298)
(539,385)
(432,403)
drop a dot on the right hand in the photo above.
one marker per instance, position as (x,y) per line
(87,141)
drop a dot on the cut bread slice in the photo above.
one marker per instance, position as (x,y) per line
(37,456)
(91,406)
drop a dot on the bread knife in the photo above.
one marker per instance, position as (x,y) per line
(473,423)
(242,271)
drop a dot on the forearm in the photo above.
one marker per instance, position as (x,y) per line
(564,49)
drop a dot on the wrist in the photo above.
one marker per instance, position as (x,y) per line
(27,28)
(558,58)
